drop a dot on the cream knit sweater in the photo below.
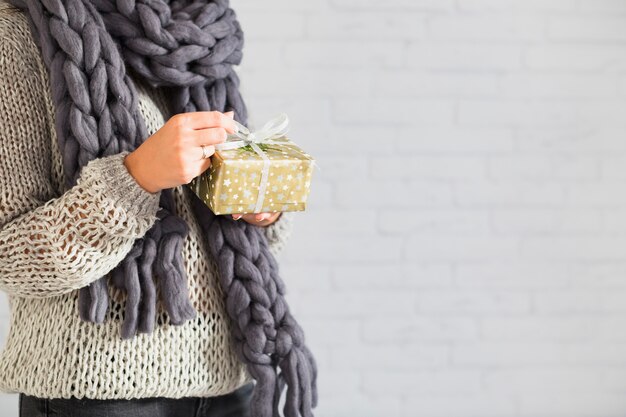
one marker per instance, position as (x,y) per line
(55,240)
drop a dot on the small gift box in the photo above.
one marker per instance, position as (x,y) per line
(256,172)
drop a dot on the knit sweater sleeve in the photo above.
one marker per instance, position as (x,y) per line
(51,244)
(279,232)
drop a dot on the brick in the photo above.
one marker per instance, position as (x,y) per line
(252,7)
(517,5)
(614,221)
(510,194)
(517,355)
(575,57)
(9,403)
(323,141)
(332,56)
(595,194)
(520,167)
(420,329)
(342,167)
(434,222)
(461,248)
(538,328)
(355,222)
(464,56)
(587,28)
(449,139)
(608,328)
(570,140)
(355,304)
(396,5)
(305,277)
(518,113)
(343,249)
(320,195)
(365,25)
(595,353)
(391,358)
(477,405)
(613,167)
(518,274)
(546,354)
(473,302)
(487,26)
(558,85)
(397,194)
(399,276)
(605,275)
(333,384)
(261,54)
(421,383)
(335,404)
(578,302)
(542,221)
(394,112)
(274,25)
(302,112)
(307,83)
(576,167)
(602,6)
(343,332)
(403,83)
(430,167)
(561,381)
(590,248)
(582,404)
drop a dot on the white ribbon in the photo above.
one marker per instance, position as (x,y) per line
(274,129)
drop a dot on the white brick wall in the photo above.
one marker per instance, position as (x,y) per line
(464,250)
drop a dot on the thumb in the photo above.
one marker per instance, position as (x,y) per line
(230,114)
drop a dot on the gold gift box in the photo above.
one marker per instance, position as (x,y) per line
(232,183)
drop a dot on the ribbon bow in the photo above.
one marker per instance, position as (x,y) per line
(274,129)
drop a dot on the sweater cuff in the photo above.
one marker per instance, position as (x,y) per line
(120,185)
(279,232)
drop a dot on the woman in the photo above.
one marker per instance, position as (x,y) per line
(57,241)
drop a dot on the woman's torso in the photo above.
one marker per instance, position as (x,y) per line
(50,352)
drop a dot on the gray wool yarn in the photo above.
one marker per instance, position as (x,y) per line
(189,48)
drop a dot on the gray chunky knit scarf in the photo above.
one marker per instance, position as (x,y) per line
(188,47)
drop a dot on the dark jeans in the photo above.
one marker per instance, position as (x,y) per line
(234,404)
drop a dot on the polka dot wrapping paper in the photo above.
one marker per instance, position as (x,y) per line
(234,180)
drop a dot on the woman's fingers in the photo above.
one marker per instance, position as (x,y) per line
(261,219)
(252,216)
(205,120)
(209,136)
(199,169)
(208,151)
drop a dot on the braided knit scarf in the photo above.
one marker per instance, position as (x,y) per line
(188,47)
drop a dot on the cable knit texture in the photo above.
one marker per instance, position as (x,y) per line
(55,240)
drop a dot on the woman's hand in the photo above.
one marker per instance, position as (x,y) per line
(173,155)
(258,219)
